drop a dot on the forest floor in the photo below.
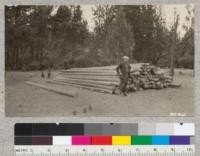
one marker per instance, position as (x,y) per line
(22,100)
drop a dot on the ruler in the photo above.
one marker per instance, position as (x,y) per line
(147,150)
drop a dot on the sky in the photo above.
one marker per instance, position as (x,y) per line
(167,13)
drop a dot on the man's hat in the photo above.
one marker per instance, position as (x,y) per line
(125,57)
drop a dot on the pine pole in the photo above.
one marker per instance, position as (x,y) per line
(174,36)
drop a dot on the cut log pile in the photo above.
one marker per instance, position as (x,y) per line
(105,79)
(149,77)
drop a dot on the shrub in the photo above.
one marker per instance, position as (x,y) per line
(35,65)
(186,62)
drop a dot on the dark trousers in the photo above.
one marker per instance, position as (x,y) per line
(123,83)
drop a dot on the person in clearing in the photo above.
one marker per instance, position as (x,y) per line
(123,71)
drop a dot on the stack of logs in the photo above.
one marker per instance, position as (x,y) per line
(105,79)
(149,77)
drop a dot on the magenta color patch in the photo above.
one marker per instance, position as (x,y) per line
(81,140)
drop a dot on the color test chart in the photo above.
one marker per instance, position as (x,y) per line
(104,139)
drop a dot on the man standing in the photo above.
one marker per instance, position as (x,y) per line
(123,71)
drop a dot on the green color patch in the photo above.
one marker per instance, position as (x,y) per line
(141,140)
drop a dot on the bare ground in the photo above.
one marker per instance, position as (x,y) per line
(23,100)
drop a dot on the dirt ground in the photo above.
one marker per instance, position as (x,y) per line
(23,100)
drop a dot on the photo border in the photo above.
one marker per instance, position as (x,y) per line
(7,124)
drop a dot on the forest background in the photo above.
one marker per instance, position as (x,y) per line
(36,39)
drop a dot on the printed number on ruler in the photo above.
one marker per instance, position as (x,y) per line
(105,150)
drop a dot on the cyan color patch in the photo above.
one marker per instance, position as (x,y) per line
(160,140)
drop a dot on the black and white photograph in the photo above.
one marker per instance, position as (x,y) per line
(99,60)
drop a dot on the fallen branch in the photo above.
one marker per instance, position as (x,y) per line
(87,84)
(91,74)
(58,91)
(95,78)
(101,90)
(97,82)
(173,85)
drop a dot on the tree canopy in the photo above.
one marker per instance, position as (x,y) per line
(37,39)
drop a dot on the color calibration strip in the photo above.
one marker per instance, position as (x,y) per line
(103,129)
(104,134)
(103,140)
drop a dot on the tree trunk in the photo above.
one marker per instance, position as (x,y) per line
(172,51)
(172,55)
(7,57)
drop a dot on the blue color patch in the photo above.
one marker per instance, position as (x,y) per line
(160,140)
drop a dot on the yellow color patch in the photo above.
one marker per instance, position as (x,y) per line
(121,140)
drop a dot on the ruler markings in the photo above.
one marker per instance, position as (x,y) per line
(105,151)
